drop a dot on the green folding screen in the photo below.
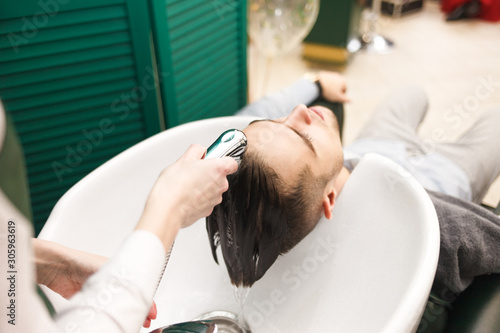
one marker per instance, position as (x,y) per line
(201,48)
(85,79)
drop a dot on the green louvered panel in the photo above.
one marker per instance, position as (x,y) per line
(201,51)
(77,78)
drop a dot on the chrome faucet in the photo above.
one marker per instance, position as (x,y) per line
(189,327)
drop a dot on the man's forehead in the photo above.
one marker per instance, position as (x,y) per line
(273,144)
(281,128)
(265,134)
(260,122)
(256,121)
(261,131)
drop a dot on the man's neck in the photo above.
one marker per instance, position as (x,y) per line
(341,179)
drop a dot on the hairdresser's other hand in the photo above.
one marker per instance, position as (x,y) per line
(334,86)
(65,270)
(62,269)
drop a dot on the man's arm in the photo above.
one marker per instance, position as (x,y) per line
(304,91)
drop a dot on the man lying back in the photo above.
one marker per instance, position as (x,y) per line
(294,169)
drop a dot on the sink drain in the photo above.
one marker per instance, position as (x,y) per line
(227,322)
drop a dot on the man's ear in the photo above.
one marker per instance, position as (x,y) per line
(328,202)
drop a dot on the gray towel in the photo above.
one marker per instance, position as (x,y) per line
(470,244)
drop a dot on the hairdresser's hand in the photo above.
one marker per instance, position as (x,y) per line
(333,86)
(65,270)
(185,192)
(62,269)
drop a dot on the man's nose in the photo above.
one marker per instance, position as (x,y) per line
(299,116)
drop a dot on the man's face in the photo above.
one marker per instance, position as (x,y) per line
(307,137)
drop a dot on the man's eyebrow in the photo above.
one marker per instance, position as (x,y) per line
(302,136)
(306,140)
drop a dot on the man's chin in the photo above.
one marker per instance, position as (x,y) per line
(330,118)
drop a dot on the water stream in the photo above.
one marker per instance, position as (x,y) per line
(241,294)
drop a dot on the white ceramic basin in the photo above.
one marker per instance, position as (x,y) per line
(369,269)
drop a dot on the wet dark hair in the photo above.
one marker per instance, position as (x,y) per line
(261,218)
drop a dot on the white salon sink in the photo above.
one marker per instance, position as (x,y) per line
(369,269)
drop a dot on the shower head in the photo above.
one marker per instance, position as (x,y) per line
(231,143)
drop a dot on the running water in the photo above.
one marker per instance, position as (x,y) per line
(241,294)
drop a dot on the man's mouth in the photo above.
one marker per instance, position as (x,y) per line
(318,112)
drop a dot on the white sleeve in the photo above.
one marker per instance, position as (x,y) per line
(118,297)
(115,299)
(22,309)
(280,104)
